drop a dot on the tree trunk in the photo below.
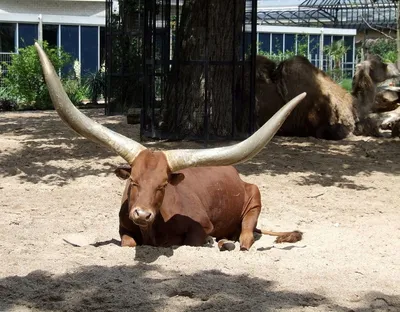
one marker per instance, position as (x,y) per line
(208,31)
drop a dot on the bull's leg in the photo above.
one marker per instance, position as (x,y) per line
(195,236)
(127,241)
(129,232)
(249,221)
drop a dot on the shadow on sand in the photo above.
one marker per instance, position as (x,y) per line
(45,142)
(144,287)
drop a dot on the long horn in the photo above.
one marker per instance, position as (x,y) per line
(234,154)
(123,146)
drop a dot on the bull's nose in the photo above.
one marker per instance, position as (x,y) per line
(141,215)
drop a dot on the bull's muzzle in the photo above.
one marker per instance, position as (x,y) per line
(141,216)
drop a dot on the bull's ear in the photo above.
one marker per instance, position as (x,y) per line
(123,172)
(176,178)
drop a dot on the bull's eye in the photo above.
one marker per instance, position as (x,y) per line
(134,183)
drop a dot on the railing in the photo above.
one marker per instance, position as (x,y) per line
(5,58)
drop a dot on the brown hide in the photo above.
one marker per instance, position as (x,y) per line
(364,86)
(208,201)
(327,112)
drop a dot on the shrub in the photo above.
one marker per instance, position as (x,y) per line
(75,91)
(24,79)
(385,48)
(95,84)
(347,84)
(7,101)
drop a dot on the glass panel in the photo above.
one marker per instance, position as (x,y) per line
(302,45)
(50,34)
(348,59)
(27,34)
(264,42)
(327,40)
(290,40)
(247,43)
(89,49)
(277,43)
(337,38)
(314,49)
(7,37)
(102,45)
(70,44)
(348,42)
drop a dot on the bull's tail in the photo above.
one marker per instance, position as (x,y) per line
(283,237)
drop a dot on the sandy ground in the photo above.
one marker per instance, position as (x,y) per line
(57,189)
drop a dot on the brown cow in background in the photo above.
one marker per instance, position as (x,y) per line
(329,111)
(178,197)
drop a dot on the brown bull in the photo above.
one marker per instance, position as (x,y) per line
(167,201)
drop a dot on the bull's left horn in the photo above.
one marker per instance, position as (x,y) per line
(234,154)
(123,146)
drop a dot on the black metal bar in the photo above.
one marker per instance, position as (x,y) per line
(153,67)
(243,63)
(233,122)
(145,69)
(206,79)
(176,56)
(253,64)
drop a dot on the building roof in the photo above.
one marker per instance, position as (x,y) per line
(360,14)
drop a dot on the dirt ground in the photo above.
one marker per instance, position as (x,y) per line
(59,203)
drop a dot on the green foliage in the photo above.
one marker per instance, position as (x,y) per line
(336,51)
(385,48)
(95,84)
(24,80)
(7,101)
(347,84)
(302,49)
(75,91)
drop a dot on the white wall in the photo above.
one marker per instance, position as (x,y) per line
(84,12)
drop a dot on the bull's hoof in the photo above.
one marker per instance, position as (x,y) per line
(226,245)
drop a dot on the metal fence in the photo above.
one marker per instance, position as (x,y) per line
(198,85)
(5,58)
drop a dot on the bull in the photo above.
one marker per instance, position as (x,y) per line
(178,197)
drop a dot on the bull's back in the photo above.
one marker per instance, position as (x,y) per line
(216,193)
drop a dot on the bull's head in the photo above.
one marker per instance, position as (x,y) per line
(152,171)
(148,178)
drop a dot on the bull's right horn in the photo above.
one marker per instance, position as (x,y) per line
(123,146)
(234,154)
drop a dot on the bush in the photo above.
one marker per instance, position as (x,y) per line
(24,80)
(96,85)
(385,48)
(75,91)
(7,101)
(347,84)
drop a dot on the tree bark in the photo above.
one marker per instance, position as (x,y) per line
(208,31)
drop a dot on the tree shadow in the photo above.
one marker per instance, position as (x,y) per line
(49,152)
(144,287)
(326,163)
